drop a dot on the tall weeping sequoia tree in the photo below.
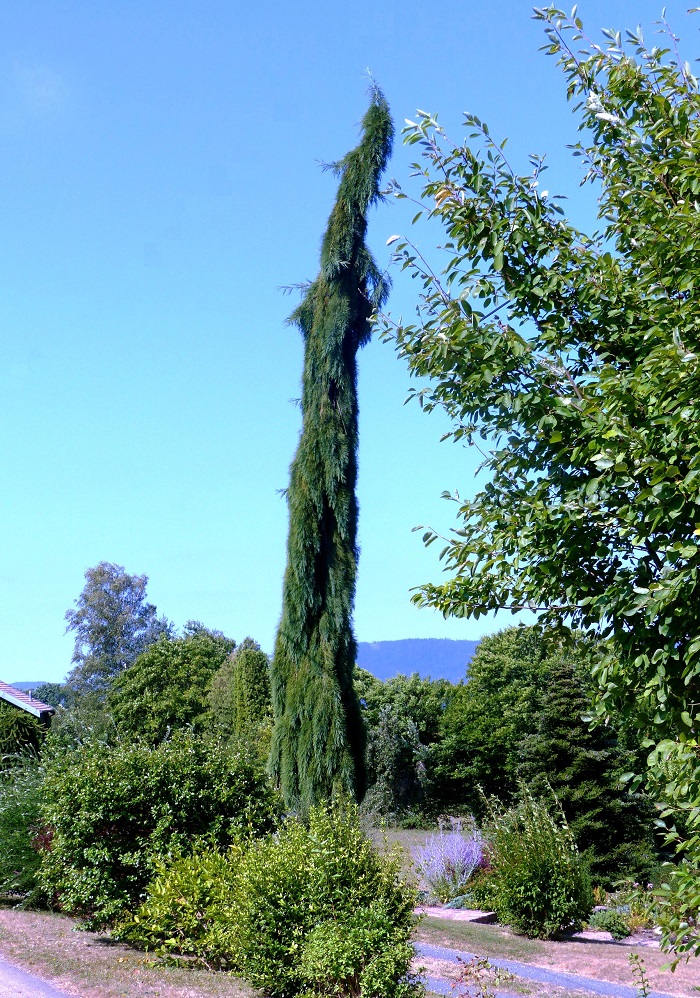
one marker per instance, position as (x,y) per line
(318,742)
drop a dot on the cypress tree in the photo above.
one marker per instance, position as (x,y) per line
(251,690)
(318,742)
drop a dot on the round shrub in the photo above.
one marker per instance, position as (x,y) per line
(364,954)
(187,911)
(317,908)
(111,812)
(611,921)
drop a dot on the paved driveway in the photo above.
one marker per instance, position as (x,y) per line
(16,983)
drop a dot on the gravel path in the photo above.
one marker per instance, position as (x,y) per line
(530,973)
(16,983)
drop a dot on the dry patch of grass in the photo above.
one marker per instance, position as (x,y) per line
(589,958)
(517,986)
(89,965)
(401,841)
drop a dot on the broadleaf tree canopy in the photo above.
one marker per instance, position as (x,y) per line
(113,624)
(575,357)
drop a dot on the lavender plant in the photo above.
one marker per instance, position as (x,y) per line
(449,858)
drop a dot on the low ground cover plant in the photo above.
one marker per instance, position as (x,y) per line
(540,884)
(109,814)
(449,858)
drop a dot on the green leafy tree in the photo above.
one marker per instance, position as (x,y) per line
(518,719)
(487,718)
(113,624)
(403,720)
(167,686)
(317,744)
(55,694)
(576,358)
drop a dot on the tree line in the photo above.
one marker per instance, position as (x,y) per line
(431,747)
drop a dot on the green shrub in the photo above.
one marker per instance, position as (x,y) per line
(611,921)
(187,910)
(541,884)
(20,803)
(482,892)
(638,902)
(112,812)
(317,907)
(310,910)
(365,954)
(19,732)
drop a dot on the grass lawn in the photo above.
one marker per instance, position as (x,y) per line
(403,841)
(90,965)
(590,958)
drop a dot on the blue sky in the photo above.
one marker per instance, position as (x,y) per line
(159,182)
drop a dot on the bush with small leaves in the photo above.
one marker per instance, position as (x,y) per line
(612,921)
(187,911)
(482,892)
(301,892)
(112,812)
(367,953)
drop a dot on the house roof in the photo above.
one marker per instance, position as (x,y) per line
(25,701)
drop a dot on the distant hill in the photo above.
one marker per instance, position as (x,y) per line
(28,686)
(439,658)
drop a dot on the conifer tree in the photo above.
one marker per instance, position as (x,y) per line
(251,689)
(317,745)
(582,765)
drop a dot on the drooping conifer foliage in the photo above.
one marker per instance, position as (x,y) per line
(317,747)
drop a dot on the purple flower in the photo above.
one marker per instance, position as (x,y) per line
(448,859)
